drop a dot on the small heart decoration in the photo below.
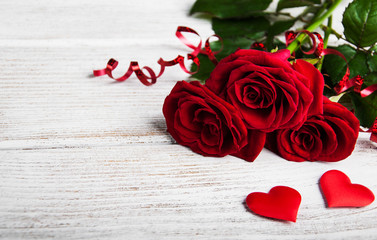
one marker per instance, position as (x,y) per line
(340,192)
(280,202)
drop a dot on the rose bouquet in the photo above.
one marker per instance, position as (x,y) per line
(298,97)
(278,91)
(252,94)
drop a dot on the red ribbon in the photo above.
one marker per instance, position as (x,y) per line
(144,79)
(318,49)
(373,129)
(345,83)
(258,45)
(355,82)
(290,36)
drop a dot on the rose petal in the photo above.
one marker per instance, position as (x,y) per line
(255,144)
(346,139)
(316,84)
(197,118)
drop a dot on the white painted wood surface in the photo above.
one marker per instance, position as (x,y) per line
(87,158)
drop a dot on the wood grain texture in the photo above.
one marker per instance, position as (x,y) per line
(87,158)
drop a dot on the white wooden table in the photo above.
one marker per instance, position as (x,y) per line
(87,158)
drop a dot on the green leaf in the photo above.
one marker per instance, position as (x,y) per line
(373,49)
(296,3)
(277,28)
(365,108)
(205,69)
(346,101)
(370,79)
(372,63)
(360,22)
(281,26)
(229,47)
(336,67)
(336,98)
(249,28)
(230,8)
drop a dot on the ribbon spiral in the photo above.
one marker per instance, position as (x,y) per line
(151,79)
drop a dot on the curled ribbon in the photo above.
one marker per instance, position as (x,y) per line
(355,82)
(258,45)
(318,50)
(144,79)
(290,36)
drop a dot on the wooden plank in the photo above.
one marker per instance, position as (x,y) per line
(84,157)
(99,19)
(168,192)
(50,99)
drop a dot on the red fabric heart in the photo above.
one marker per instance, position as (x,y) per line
(280,202)
(340,192)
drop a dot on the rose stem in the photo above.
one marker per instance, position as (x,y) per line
(296,43)
(325,41)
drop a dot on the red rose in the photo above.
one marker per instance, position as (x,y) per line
(330,136)
(197,118)
(268,91)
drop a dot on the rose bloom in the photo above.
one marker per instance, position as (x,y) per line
(329,137)
(197,118)
(269,92)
